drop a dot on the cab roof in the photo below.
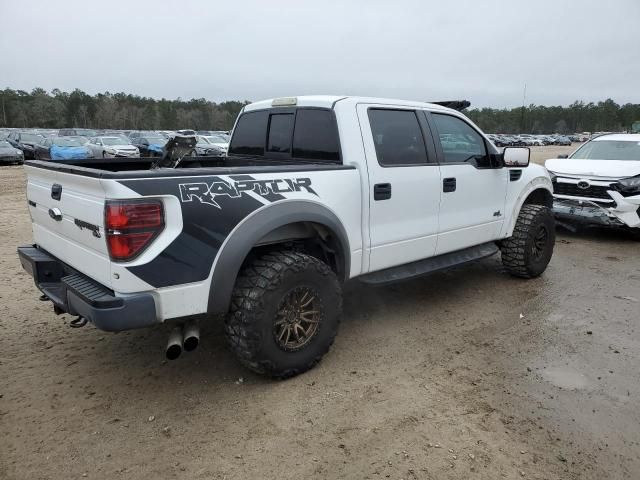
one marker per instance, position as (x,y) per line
(329,101)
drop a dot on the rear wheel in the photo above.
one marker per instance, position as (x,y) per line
(284,313)
(528,251)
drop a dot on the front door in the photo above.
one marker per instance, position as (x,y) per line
(473,190)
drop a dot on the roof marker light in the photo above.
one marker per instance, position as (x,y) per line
(284,101)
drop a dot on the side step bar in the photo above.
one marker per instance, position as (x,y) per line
(430,265)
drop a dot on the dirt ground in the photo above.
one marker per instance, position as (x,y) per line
(540,154)
(464,374)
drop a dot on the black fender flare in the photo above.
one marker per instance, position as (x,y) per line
(254,227)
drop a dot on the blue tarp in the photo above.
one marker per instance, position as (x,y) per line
(68,153)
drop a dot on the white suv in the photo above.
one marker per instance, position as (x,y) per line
(599,184)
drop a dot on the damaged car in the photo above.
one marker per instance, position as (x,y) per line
(599,184)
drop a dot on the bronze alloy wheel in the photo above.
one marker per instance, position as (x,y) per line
(297,319)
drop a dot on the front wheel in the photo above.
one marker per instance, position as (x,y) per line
(528,251)
(284,315)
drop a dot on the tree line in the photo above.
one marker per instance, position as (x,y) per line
(57,109)
(606,116)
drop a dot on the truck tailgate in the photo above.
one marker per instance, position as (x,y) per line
(67,213)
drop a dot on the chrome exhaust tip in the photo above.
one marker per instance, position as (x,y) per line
(191,336)
(174,345)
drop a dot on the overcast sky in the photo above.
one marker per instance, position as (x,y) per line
(484,51)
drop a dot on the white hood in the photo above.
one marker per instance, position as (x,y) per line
(605,169)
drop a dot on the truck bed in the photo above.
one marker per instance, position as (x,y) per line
(119,168)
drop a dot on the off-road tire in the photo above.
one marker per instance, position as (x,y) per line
(260,289)
(518,255)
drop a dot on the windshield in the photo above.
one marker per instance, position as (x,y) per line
(66,142)
(609,150)
(84,132)
(30,137)
(217,139)
(203,139)
(113,141)
(156,140)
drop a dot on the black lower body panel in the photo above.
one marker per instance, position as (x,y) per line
(74,293)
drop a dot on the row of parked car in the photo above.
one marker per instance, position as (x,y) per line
(71,143)
(526,140)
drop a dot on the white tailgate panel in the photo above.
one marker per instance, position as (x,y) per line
(82,199)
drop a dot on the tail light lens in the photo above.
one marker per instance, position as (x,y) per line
(131,226)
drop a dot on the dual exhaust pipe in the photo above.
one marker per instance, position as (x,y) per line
(184,337)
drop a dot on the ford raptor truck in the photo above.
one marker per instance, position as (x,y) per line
(314,191)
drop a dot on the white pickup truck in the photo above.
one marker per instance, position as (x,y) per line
(314,191)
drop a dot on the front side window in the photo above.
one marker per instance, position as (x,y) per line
(397,137)
(249,134)
(460,143)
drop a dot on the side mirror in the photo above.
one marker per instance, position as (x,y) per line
(516,157)
(563,156)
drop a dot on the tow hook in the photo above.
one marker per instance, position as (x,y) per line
(78,322)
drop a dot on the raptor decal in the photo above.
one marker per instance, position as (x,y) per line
(206,192)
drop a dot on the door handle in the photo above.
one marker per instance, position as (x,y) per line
(382,191)
(449,184)
(56,191)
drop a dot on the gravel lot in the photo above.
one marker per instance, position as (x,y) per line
(464,374)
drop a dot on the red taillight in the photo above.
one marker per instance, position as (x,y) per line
(131,226)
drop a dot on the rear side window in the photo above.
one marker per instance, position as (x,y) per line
(397,137)
(280,131)
(316,135)
(250,134)
(460,143)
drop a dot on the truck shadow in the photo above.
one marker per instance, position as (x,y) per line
(137,357)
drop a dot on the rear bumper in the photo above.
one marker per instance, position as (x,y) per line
(74,293)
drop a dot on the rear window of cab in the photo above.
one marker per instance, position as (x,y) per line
(296,133)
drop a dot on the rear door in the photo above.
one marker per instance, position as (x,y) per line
(404,185)
(473,190)
(67,213)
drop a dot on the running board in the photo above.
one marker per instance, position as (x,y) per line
(430,265)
